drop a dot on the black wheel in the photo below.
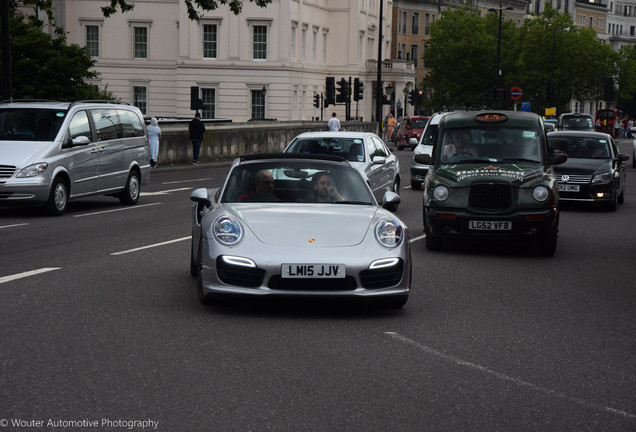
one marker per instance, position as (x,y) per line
(131,192)
(613,204)
(204,299)
(621,196)
(432,243)
(547,246)
(393,302)
(416,185)
(193,264)
(58,199)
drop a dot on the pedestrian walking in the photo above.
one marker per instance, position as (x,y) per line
(333,124)
(197,129)
(154,135)
(390,126)
(630,125)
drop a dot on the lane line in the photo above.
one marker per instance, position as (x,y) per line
(117,210)
(417,238)
(516,381)
(151,246)
(14,225)
(27,274)
(165,192)
(186,181)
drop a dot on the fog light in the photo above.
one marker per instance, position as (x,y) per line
(600,194)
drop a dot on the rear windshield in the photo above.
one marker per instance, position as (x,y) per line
(418,123)
(577,122)
(32,124)
(490,144)
(349,148)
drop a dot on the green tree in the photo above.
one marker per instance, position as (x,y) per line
(626,79)
(45,66)
(194,6)
(559,61)
(462,56)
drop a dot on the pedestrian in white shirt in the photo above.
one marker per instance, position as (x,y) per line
(333,124)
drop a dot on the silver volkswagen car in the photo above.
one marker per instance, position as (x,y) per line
(298,225)
(364,150)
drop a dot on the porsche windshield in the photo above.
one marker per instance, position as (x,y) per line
(302,181)
(490,144)
(32,124)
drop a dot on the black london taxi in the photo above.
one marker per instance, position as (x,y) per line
(491,177)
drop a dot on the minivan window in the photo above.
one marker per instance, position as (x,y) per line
(131,126)
(106,124)
(30,124)
(79,126)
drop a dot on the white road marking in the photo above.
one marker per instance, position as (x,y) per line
(14,225)
(117,209)
(165,192)
(187,181)
(151,246)
(537,388)
(417,238)
(27,274)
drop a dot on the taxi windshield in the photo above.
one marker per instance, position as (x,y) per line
(303,181)
(30,124)
(490,144)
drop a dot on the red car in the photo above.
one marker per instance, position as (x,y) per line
(410,127)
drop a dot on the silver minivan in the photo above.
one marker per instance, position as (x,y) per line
(53,152)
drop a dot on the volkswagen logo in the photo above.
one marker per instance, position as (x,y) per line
(565,178)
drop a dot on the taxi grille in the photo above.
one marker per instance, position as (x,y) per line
(490,196)
(347,283)
(382,277)
(6,171)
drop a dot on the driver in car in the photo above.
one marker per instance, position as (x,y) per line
(459,144)
(325,188)
(263,188)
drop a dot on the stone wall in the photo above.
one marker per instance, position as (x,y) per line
(225,141)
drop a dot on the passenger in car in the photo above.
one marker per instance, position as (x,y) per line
(325,188)
(263,188)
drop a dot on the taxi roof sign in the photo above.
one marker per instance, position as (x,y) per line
(491,118)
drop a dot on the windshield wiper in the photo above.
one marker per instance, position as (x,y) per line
(519,160)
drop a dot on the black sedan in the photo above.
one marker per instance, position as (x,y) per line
(594,172)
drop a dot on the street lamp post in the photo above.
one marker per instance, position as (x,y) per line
(498,84)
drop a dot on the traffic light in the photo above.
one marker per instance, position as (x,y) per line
(341,97)
(317,100)
(358,89)
(412,97)
(330,94)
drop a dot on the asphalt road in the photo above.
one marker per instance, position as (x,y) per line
(101,329)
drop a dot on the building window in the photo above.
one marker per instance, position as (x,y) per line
(403,29)
(415,23)
(92,40)
(292,46)
(260,42)
(324,48)
(303,43)
(258,104)
(414,54)
(314,45)
(209,103)
(210,35)
(140,98)
(140,42)
(427,23)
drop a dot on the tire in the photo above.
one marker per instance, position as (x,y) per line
(132,190)
(613,204)
(432,243)
(416,185)
(621,196)
(206,300)
(193,264)
(58,199)
(547,246)
(393,302)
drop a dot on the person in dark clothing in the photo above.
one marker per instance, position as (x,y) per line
(197,129)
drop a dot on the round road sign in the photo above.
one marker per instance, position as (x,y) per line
(515,93)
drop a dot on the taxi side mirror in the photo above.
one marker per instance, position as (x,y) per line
(558,158)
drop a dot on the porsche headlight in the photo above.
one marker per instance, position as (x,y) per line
(32,170)
(540,193)
(440,192)
(605,177)
(389,233)
(227,231)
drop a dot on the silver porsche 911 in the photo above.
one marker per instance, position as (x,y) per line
(300,225)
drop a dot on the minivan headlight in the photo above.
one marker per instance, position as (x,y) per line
(389,233)
(540,193)
(227,231)
(32,170)
(440,192)
(605,177)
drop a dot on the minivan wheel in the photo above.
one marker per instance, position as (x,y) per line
(130,194)
(58,199)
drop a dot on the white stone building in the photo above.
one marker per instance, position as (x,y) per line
(264,63)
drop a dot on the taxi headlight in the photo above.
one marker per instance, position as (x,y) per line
(605,177)
(389,233)
(227,231)
(540,193)
(32,170)
(440,192)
